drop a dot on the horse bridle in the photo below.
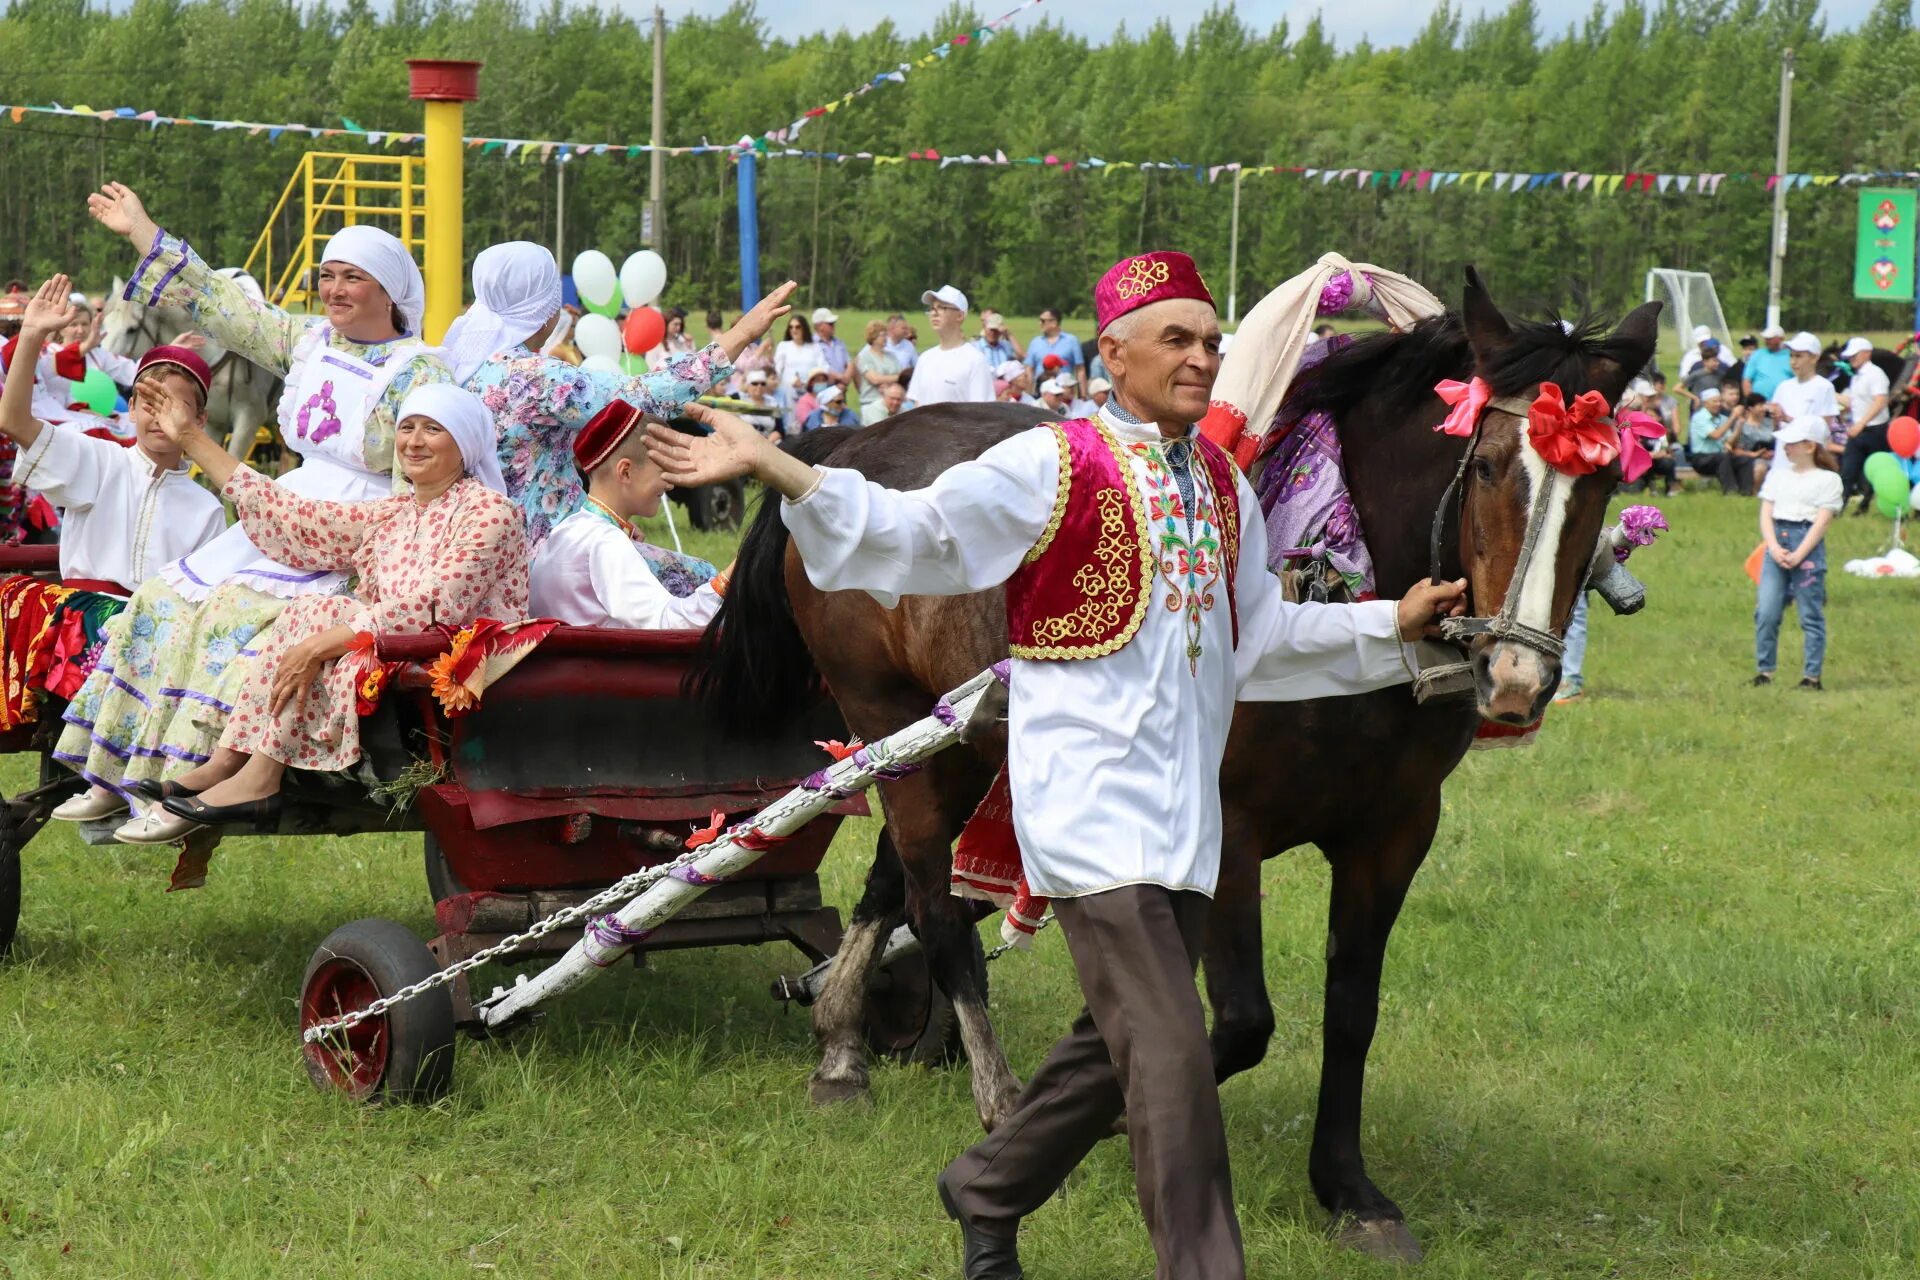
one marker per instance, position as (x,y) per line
(1502,625)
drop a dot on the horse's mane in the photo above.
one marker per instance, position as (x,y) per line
(1401,368)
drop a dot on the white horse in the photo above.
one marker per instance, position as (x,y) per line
(243,395)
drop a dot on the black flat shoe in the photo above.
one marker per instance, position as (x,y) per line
(983,1255)
(157,792)
(255,813)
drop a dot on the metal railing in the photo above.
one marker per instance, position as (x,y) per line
(328,191)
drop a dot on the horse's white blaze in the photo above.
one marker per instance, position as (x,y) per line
(1534,606)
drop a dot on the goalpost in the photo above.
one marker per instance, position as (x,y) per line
(1690,300)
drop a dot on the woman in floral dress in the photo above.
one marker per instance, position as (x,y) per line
(175,660)
(446,554)
(540,403)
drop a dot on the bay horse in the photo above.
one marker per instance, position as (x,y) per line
(1362,774)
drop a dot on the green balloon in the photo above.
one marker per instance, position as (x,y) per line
(631,364)
(1889,481)
(610,308)
(97,392)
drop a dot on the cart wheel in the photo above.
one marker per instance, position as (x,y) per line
(908,1018)
(9,878)
(442,882)
(405,1054)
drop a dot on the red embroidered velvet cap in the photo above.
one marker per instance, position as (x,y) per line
(181,358)
(1133,283)
(603,434)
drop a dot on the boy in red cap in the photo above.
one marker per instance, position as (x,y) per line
(127,510)
(1139,608)
(590,572)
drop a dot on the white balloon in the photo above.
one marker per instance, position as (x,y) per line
(596,335)
(593,276)
(642,276)
(601,364)
(1913,499)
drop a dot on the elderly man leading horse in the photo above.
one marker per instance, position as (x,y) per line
(1139,607)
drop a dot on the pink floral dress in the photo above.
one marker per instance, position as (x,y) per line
(461,557)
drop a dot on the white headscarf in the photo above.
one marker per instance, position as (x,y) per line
(467,421)
(516,289)
(383,257)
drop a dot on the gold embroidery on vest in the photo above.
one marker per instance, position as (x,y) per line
(1060,492)
(1109,571)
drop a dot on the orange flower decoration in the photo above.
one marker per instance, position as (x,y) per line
(449,672)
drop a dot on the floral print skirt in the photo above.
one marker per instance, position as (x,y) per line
(167,680)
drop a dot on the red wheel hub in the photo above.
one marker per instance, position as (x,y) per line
(354,1060)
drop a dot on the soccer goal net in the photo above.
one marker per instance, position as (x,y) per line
(1690,301)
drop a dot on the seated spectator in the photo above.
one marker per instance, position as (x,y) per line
(590,572)
(1013,384)
(832,411)
(1708,373)
(757,390)
(1749,438)
(447,553)
(808,400)
(1706,438)
(1642,395)
(127,512)
(1099,391)
(893,399)
(877,366)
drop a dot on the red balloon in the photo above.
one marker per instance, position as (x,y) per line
(644,329)
(1903,436)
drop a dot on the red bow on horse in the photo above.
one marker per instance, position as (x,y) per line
(1577,439)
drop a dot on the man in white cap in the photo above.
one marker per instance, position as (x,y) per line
(756,390)
(833,353)
(1703,345)
(994,342)
(1804,395)
(955,369)
(1098,392)
(1053,397)
(1768,367)
(1706,439)
(1012,383)
(1867,417)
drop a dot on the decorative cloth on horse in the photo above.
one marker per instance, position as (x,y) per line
(603,434)
(460,413)
(1141,281)
(1260,366)
(1084,588)
(187,361)
(516,289)
(987,866)
(1113,762)
(1312,527)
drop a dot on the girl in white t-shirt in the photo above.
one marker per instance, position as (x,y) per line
(1802,496)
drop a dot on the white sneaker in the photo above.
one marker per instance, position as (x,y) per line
(157,827)
(90,806)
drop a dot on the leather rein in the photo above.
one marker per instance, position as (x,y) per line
(1502,625)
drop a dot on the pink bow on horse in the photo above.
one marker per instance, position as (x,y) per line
(1576,438)
(1467,399)
(1634,458)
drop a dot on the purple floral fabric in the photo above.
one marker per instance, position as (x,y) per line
(1302,488)
(539,404)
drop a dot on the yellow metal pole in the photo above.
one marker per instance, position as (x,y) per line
(445,86)
(445,156)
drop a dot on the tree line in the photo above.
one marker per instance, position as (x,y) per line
(1682,85)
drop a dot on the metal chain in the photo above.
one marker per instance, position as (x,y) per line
(1005,947)
(619,891)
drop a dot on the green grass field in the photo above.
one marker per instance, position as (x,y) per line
(1650,1013)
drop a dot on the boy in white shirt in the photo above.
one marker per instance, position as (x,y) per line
(956,369)
(1799,501)
(1806,394)
(589,573)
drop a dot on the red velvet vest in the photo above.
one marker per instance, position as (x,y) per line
(1083,590)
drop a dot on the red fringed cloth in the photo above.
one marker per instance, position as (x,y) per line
(987,865)
(480,655)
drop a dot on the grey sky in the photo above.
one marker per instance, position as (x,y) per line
(1382,21)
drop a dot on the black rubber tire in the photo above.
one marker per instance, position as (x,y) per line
(441,880)
(9,879)
(419,1042)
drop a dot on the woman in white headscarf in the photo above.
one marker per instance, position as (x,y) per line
(173,662)
(442,555)
(539,403)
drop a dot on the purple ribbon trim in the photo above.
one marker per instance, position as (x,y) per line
(153,251)
(167,279)
(609,932)
(885,772)
(342,364)
(132,692)
(691,874)
(79,767)
(815,781)
(191,696)
(1003,670)
(943,712)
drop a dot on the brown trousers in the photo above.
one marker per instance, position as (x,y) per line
(1139,1044)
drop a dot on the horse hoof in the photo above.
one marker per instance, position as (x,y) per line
(1383,1239)
(829,1093)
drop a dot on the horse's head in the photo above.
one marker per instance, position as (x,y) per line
(120,323)
(1528,527)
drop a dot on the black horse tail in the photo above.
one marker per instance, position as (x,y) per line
(754,671)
